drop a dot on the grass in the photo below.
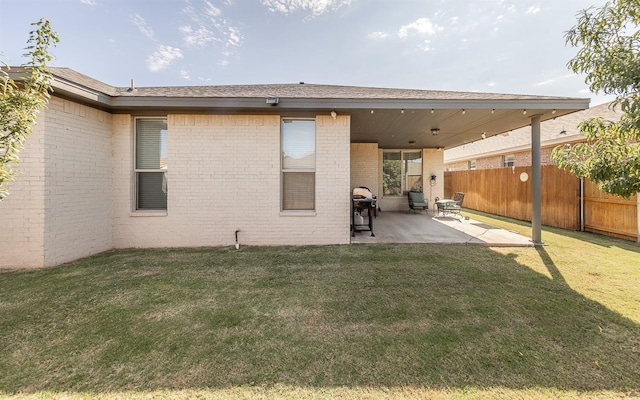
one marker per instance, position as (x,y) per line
(357,321)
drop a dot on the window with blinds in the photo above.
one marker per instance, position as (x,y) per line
(151,163)
(298,164)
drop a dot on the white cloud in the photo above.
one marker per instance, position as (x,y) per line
(234,38)
(210,10)
(199,37)
(422,26)
(209,27)
(185,75)
(88,2)
(163,57)
(425,46)
(378,35)
(554,80)
(533,10)
(142,25)
(316,7)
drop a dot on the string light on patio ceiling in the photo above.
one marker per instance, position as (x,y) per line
(524,112)
(464,111)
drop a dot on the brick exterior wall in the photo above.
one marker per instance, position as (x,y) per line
(521,159)
(364,166)
(223,175)
(60,205)
(433,164)
(77,182)
(22,212)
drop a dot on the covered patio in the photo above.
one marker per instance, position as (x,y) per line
(412,128)
(404,227)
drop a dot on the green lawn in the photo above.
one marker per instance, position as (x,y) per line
(354,321)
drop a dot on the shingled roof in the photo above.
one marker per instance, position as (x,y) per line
(299,90)
(391,117)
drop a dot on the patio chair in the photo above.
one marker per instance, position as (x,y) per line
(452,207)
(417,201)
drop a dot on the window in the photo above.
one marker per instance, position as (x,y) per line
(401,172)
(151,164)
(508,161)
(298,164)
(472,164)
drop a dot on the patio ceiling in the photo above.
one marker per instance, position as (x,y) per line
(397,128)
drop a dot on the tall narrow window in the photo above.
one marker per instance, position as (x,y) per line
(151,164)
(392,173)
(298,164)
(508,161)
(401,172)
(412,171)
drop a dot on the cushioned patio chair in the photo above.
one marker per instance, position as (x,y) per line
(417,201)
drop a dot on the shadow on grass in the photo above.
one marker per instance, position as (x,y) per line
(555,273)
(588,237)
(323,317)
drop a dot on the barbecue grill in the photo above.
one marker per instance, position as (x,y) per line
(363,208)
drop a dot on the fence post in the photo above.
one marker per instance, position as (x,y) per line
(638,215)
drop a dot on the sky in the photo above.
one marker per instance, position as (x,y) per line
(497,46)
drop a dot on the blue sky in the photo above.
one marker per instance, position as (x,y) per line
(504,46)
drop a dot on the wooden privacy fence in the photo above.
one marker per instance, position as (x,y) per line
(610,215)
(502,192)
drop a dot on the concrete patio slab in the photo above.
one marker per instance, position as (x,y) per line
(404,227)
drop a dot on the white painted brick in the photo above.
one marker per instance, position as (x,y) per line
(224,174)
(74,196)
(61,202)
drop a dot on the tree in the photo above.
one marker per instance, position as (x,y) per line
(609,38)
(21,101)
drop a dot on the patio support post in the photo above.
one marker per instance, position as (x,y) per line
(536,182)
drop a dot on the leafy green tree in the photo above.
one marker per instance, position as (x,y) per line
(391,177)
(20,101)
(609,55)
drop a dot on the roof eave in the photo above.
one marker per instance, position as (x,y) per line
(133,102)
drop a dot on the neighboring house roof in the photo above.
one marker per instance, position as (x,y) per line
(553,132)
(391,117)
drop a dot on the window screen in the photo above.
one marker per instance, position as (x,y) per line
(151,164)
(298,164)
